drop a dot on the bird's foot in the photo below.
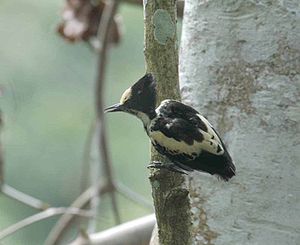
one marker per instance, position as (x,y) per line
(170,166)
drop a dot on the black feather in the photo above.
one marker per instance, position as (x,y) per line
(178,131)
(144,95)
(182,123)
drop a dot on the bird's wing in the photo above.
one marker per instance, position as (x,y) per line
(181,129)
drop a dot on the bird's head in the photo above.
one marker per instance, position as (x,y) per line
(139,99)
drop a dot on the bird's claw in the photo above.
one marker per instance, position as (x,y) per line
(170,166)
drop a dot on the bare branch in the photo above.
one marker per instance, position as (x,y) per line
(86,159)
(135,232)
(64,222)
(41,216)
(82,239)
(94,176)
(103,36)
(23,197)
(12,192)
(133,196)
(115,207)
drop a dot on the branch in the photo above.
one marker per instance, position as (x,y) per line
(103,36)
(101,46)
(94,176)
(133,196)
(82,201)
(12,192)
(23,197)
(41,216)
(95,44)
(170,196)
(86,158)
(135,232)
(64,222)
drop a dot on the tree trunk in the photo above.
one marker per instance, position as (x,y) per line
(240,67)
(170,197)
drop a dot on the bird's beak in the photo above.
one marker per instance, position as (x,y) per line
(113,108)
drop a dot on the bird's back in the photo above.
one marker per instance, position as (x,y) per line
(189,141)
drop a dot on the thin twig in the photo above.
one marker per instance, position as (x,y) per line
(82,239)
(133,196)
(95,175)
(115,207)
(12,192)
(103,36)
(41,216)
(94,44)
(23,198)
(134,232)
(64,222)
(84,199)
(87,156)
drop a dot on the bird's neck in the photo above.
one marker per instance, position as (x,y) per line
(146,117)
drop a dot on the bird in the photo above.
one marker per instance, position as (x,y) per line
(176,131)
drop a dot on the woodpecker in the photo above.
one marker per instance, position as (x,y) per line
(176,131)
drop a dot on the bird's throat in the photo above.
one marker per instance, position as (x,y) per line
(145,118)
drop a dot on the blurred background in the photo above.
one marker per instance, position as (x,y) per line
(47,100)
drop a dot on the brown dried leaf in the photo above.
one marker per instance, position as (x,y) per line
(80,21)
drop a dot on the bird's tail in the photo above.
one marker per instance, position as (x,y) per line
(227,173)
(226,169)
(222,166)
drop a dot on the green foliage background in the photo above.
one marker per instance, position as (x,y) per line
(48,108)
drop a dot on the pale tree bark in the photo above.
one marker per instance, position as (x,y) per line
(240,66)
(170,196)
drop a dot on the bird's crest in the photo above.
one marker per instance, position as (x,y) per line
(146,82)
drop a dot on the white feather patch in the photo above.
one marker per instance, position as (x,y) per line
(211,142)
(157,110)
(211,139)
(174,145)
(125,96)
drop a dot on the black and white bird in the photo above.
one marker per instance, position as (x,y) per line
(177,131)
